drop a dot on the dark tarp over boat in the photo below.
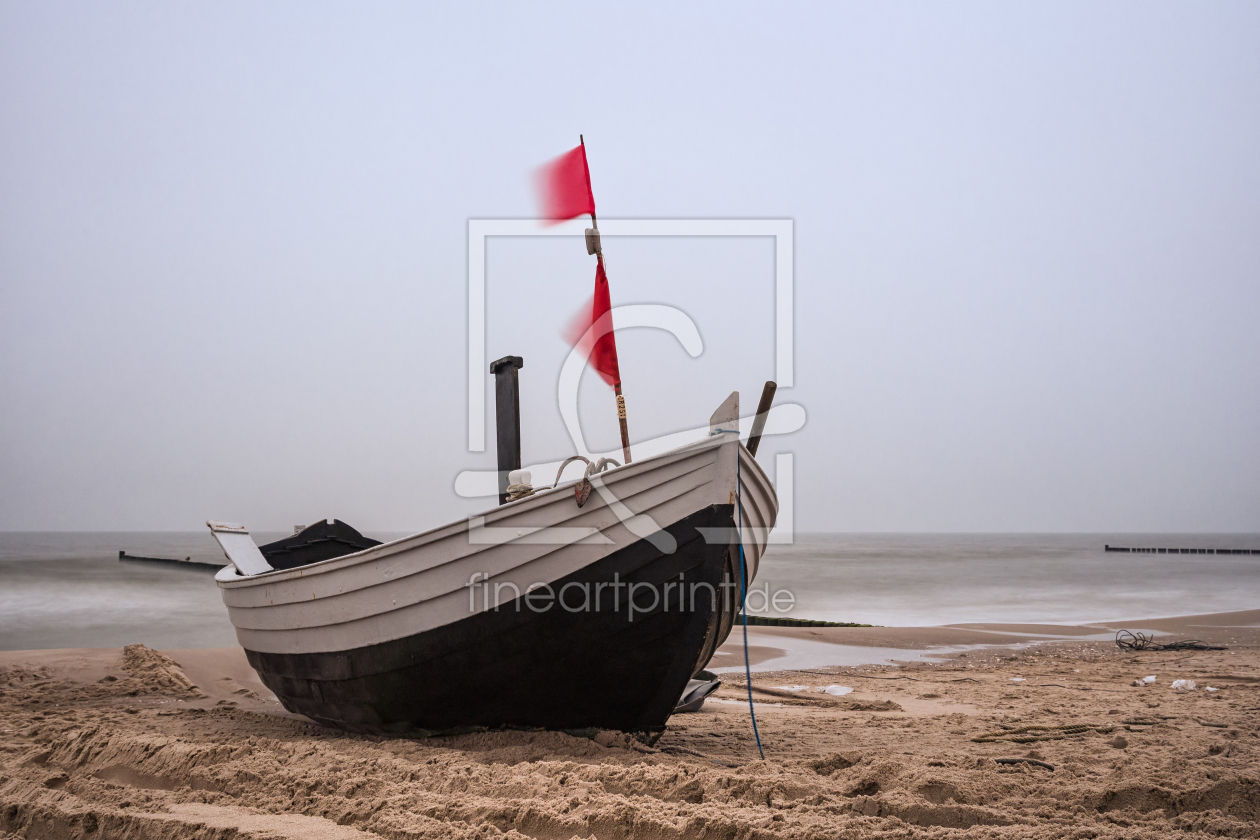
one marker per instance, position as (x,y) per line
(322,541)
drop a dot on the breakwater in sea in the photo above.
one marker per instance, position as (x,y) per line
(1181,550)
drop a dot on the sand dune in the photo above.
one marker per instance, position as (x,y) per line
(1053,740)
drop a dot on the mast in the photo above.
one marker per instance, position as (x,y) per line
(594,243)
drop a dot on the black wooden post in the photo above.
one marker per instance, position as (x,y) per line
(507,417)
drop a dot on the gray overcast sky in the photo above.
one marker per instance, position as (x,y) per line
(233,239)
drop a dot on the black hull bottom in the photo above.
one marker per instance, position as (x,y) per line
(517,667)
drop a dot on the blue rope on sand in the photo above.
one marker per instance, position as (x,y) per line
(743,597)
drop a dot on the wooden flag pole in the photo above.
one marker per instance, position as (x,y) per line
(621,400)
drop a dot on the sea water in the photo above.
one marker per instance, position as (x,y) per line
(909,580)
(60,590)
(70,590)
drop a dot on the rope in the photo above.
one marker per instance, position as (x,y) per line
(519,491)
(1126,640)
(743,597)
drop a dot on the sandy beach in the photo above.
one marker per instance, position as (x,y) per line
(1000,731)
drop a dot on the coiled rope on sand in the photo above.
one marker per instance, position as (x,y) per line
(1136,640)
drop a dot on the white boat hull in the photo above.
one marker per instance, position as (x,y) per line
(354,641)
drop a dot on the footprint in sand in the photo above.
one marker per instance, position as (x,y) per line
(238,689)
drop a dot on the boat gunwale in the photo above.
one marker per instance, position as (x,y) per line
(396,579)
(231,578)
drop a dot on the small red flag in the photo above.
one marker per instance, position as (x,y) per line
(564,186)
(603,355)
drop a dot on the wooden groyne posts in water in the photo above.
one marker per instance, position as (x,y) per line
(779,621)
(187,561)
(1182,550)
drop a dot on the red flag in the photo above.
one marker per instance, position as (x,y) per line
(564,186)
(597,314)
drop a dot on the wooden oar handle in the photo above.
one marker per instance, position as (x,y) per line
(759,422)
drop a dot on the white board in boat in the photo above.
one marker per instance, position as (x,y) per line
(239,547)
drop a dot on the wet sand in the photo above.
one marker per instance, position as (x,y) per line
(904,644)
(1003,731)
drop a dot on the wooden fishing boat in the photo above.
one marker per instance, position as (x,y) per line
(552,610)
